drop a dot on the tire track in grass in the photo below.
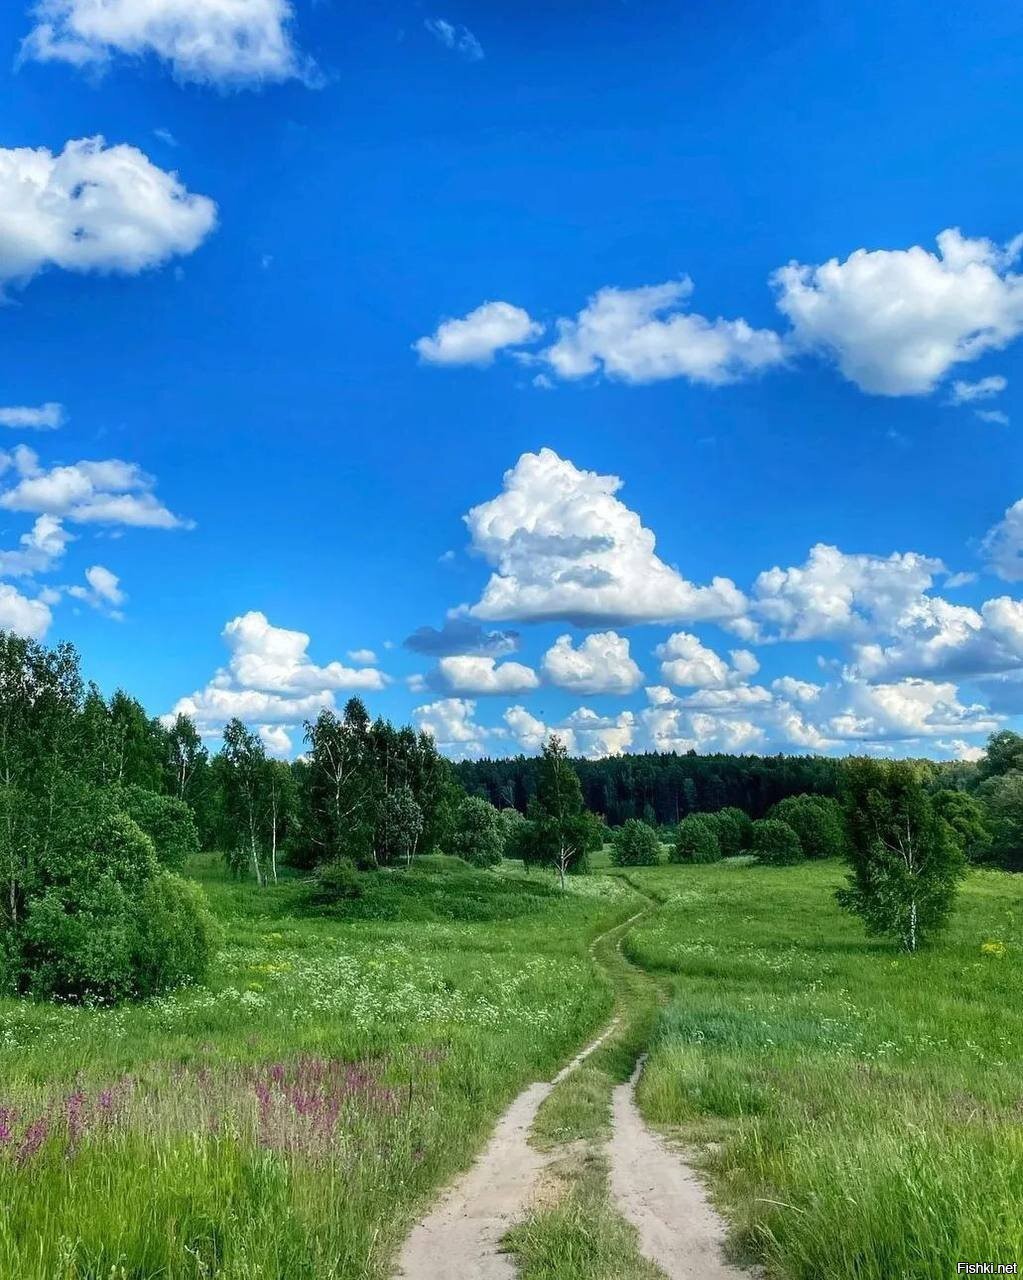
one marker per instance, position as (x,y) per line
(462,1235)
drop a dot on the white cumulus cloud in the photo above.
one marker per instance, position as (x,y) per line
(646,335)
(1002,547)
(564,547)
(478,674)
(982,389)
(477,337)
(455,37)
(229,43)
(93,207)
(18,613)
(451,724)
(686,661)
(599,664)
(897,321)
(109,492)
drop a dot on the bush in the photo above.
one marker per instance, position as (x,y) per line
(733,829)
(166,820)
(696,841)
(336,881)
(818,822)
(479,834)
(106,922)
(774,842)
(635,844)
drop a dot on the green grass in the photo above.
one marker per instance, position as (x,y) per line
(287,1121)
(862,1106)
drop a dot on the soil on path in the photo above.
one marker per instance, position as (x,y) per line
(462,1235)
(660,1195)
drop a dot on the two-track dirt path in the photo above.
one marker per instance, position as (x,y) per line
(653,1188)
(660,1195)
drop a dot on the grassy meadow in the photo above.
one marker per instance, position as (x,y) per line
(860,1107)
(285,1122)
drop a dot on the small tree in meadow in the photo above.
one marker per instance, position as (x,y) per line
(479,835)
(560,830)
(774,842)
(818,822)
(635,844)
(906,863)
(696,840)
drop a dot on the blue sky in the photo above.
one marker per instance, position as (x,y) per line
(243,297)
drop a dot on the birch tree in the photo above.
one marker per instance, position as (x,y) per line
(905,861)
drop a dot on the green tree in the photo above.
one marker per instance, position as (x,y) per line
(562,832)
(403,822)
(341,791)
(775,842)
(818,821)
(479,833)
(696,840)
(245,782)
(966,816)
(905,861)
(185,758)
(166,820)
(733,829)
(1002,798)
(635,844)
(1003,754)
(103,919)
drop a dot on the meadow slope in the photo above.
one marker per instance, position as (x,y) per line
(862,1106)
(287,1122)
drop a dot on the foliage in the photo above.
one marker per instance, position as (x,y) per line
(336,881)
(479,832)
(560,832)
(634,844)
(660,788)
(775,842)
(818,821)
(166,820)
(733,829)
(696,840)
(906,862)
(346,790)
(966,816)
(102,920)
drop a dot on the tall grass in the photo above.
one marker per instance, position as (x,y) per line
(864,1105)
(286,1122)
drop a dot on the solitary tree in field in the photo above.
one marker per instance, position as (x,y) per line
(561,832)
(906,863)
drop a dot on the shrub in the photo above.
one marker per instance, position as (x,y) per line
(105,921)
(696,841)
(733,829)
(168,821)
(635,844)
(818,822)
(336,881)
(479,834)
(774,842)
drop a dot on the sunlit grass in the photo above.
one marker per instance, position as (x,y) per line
(865,1103)
(289,1119)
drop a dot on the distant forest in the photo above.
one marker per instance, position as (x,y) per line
(661,789)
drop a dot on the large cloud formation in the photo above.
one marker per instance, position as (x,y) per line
(564,547)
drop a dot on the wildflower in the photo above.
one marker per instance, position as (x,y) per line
(993,947)
(34,1137)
